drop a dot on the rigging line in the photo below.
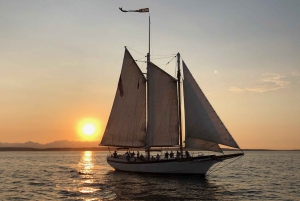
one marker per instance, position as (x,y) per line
(135,51)
(212,170)
(225,165)
(163,57)
(171,59)
(175,65)
(140,58)
(216,165)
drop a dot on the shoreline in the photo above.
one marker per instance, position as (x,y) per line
(106,149)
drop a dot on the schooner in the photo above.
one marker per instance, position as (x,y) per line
(147,113)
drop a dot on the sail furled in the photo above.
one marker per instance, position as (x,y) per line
(162,129)
(126,125)
(201,121)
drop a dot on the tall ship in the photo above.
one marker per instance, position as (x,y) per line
(151,110)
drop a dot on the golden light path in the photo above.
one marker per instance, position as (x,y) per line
(86,166)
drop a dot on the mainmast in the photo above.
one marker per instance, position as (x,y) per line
(148,60)
(179,102)
(148,55)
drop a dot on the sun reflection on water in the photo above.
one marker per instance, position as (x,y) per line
(86,164)
(86,168)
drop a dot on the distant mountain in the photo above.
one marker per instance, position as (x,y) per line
(55,144)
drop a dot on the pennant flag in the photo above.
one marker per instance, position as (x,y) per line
(120,87)
(142,10)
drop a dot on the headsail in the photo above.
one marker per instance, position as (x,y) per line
(162,127)
(202,122)
(194,143)
(127,121)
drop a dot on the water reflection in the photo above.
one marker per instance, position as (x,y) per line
(132,186)
(86,165)
(99,182)
(86,170)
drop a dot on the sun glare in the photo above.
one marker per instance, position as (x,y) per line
(89,129)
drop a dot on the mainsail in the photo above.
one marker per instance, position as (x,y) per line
(162,127)
(201,121)
(127,121)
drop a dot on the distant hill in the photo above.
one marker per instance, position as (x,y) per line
(55,144)
(78,145)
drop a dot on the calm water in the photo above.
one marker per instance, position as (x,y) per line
(86,176)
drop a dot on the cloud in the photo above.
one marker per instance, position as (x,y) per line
(268,82)
(295,74)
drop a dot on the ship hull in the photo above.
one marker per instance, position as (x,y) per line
(172,166)
(175,167)
(194,165)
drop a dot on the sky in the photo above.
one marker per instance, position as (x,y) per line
(60,62)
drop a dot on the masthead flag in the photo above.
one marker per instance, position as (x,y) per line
(142,10)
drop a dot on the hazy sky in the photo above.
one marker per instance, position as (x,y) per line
(60,62)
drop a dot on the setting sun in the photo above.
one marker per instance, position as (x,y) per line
(88,129)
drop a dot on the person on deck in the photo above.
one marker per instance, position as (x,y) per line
(132,154)
(138,154)
(167,155)
(128,157)
(187,154)
(152,158)
(157,157)
(142,158)
(115,154)
(171,154)
(177,154)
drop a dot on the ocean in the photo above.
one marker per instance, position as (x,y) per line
(85,175)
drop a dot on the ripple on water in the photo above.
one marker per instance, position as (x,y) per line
(86,176)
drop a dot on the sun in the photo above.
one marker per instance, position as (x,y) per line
(88,129)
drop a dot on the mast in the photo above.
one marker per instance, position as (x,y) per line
(148,60)
(148,54)
(179,101)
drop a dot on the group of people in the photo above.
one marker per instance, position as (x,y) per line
(171,155)
(131,156)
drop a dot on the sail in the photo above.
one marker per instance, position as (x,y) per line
(202,122)
(194,143)
(162,129)
(126,125)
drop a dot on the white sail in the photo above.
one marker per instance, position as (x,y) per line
(194,143)
(162,129)
(127,121)
(202,122)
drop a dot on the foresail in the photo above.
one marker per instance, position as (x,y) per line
(127,121)
(202,122)
(162,129)
(194,143)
